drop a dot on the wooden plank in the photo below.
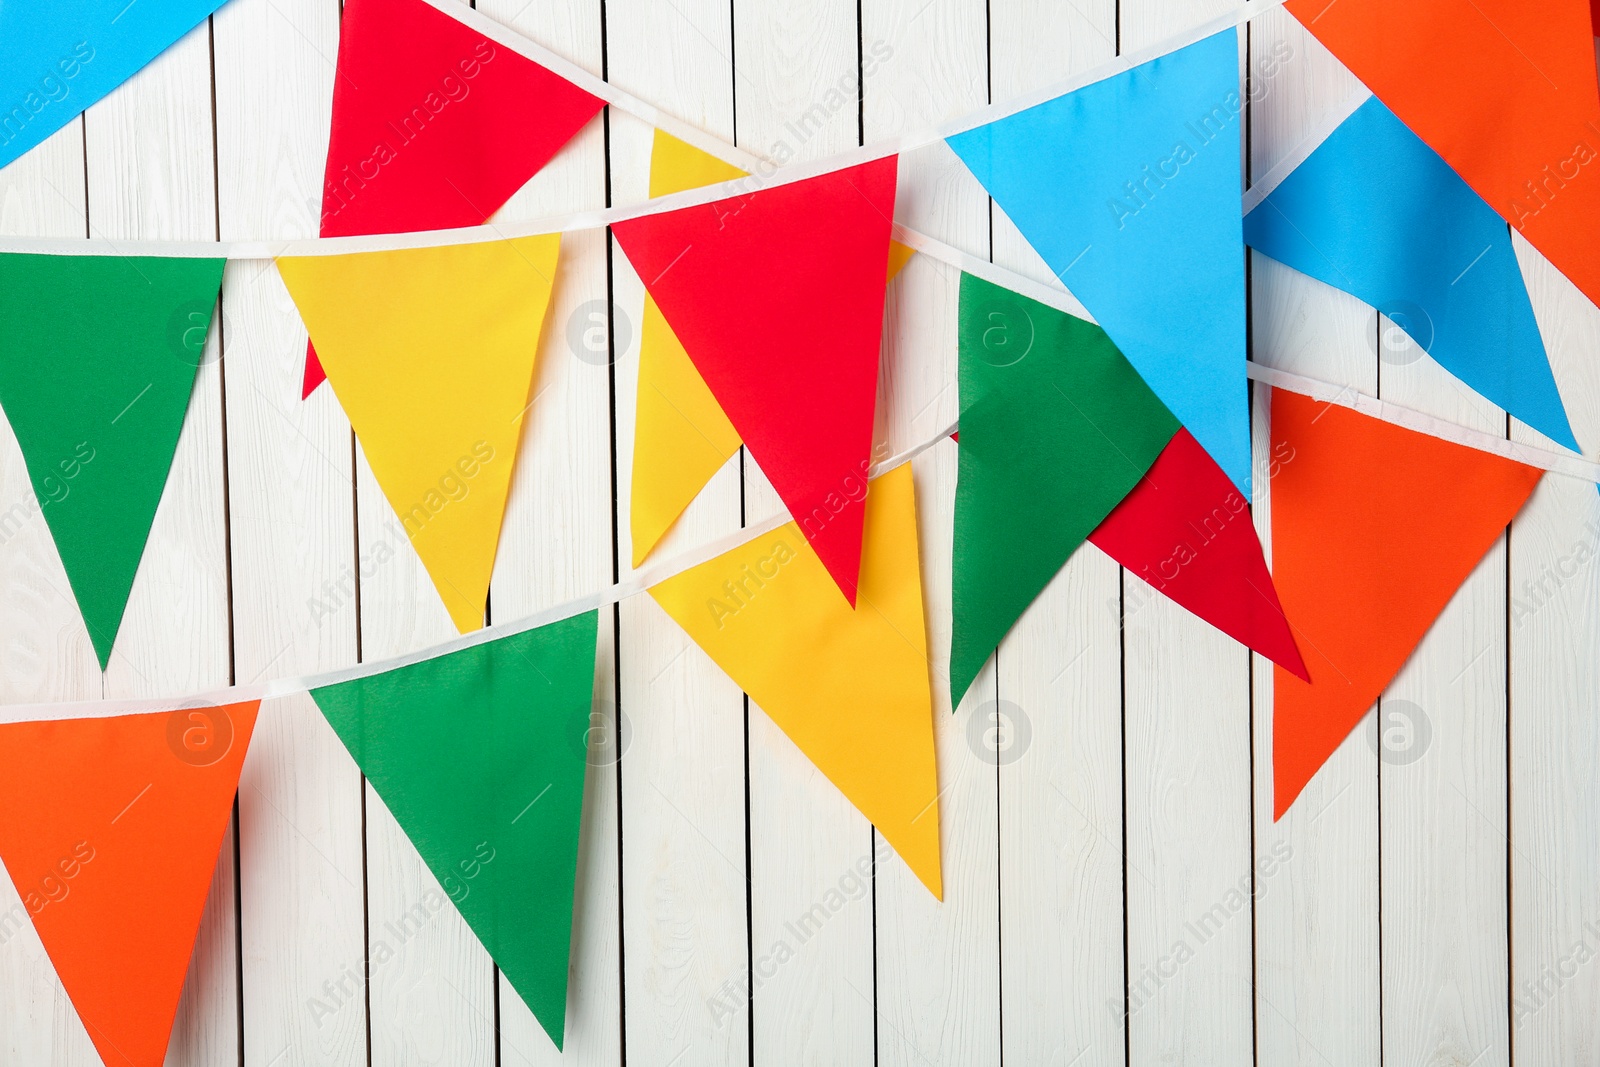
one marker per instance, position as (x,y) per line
(1441,736)
(938,963)
(47,651)
(796,93)
(151,175)
(557,544)
(1186,707)
(1554,849)
(293,550)
(685,863)
(1057,715)
(1316,904)
(434,1000)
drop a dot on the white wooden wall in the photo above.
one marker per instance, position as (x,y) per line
(1105,785)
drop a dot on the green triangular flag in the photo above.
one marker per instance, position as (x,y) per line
(98,356)
(480,755)
(1056,428)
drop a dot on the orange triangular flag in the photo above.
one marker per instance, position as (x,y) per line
(1504,90)
(110,827)
(1374,527)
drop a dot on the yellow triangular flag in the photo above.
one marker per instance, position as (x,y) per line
(850,688)
(899,256)
(431,353)
(681,436)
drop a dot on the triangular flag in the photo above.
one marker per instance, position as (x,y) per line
(681,436)
(1130,190)
(1413,240)
(1374,527)
(98,356)
(480,756)
(434,125)
(1186,531)
(777,296)
(56,59)
(849,687)
(431,352)
(1504,90)
(1056,428)
(110,829)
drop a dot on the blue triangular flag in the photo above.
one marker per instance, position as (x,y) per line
(1376,212)
(1130,189)
(57,57)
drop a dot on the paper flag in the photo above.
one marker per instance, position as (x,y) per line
(1413,240)
(777,296)
(98,356)
(849,687)
(1186,531)
(110,830)
(1504,90)
(434,125)
(431,353)
(681,436)
(480,756)
(1130,190)
(1374,527)
(1056,428)
(58,58)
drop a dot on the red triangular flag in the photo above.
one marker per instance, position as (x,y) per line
(110,829)
(1187,532)
(1504,90)
(434,125)
(777,296)
(1374,527)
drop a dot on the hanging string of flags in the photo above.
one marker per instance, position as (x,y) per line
(1112,410)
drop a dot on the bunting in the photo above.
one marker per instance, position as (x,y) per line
(1056,429)
(849,687)
(1504,90)
(1129,188)
(98,356)
(1415,241)
(435,126)
(110,829)
(777,297)
(56,59)
(479,755)
(681,436)
(431,353)
(1187,533)
(1374,527)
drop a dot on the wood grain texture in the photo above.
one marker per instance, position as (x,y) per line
(1186,712)
(795,94)
(685,865)
(1105,788)
(45,654)
(1554,850)
(1057,711)
(1317,940)
(151,174)
(291,523)
(938,963)
(557,544)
